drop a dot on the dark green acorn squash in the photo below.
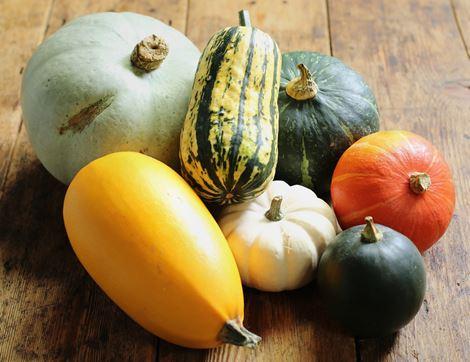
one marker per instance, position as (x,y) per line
(372,280)
(322,113)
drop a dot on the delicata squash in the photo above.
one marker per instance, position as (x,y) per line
(150,243)
(228,145)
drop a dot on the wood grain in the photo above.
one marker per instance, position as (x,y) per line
(21,29)
(411,54)
(292,324)
(294,24)
(50,309)
(172,12)
(461,10)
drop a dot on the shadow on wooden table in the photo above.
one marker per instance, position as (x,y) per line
(31,232)
(377,349)
(51,308)
(290,324)
(55,310)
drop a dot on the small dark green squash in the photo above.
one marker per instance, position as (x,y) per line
(323,111)
(372,280)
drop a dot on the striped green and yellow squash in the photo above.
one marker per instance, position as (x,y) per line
(228,146)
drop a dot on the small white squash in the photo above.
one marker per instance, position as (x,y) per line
(278,237)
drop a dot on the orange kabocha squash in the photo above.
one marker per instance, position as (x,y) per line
(150,243)
(401,180)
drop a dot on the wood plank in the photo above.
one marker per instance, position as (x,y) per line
(292,324)
(172,12)
(462,15)
(50,309)
(294,24)
(409,52)
(22,28)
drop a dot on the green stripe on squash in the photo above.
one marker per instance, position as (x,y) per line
(228,148)
(322,112)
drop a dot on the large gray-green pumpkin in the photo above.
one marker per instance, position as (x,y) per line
(322,111)
(83,97)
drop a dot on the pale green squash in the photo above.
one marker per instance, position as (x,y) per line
(83,97)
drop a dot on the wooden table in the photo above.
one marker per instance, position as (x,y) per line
(415,56)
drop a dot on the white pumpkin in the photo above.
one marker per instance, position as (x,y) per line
(278,237)
(84,95)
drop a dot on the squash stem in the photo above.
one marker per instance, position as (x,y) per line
(274,213)
(233,332)
(371,234)
(149,54)
(304,87)
(419,182)
(244,18)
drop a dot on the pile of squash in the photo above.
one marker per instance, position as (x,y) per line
(118,104)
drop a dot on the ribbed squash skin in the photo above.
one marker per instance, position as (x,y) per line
(314,133)
(228,145)
(372,178)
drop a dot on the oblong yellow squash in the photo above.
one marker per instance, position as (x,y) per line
(151,244)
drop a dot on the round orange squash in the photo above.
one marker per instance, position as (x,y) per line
(401,180)
(150,243)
